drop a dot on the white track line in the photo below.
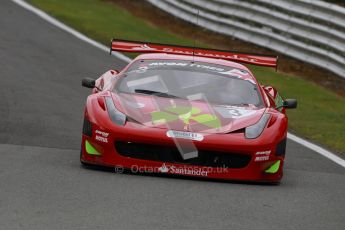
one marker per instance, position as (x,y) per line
(122,57)
(317,149)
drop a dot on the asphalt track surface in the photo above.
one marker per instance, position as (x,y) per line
(43,186)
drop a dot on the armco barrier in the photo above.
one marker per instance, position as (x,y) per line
(309,30)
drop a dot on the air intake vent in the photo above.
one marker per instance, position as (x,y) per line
(171,154)
(87,128)
(281,146)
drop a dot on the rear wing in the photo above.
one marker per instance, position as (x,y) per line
(148,47)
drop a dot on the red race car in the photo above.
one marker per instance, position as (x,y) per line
(186,111)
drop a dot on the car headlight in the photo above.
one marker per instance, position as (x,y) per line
(255,131)
(115,115)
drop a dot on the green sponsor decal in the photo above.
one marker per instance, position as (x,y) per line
(274,168)
(90,149)
(186,114)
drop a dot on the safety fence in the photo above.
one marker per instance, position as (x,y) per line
(309,30)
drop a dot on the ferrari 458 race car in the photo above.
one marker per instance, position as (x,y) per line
(186,111)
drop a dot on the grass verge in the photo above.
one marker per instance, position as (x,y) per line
(320,114)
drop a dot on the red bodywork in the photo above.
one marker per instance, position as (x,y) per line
(109,138)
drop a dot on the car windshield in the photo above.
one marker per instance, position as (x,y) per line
(216,84)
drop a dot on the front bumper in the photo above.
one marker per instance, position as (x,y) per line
(248,160)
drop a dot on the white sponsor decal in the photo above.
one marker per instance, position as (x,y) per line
(263,155)
(184,64)
(168,64)
(182,170)
(101,136)
(264,158)
(268,152)
(143,47)
(101,139)
(207,67)
(185,135)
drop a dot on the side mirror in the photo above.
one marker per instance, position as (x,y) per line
(290,103)
(88,83)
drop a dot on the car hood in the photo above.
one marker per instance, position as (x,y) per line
(185,115)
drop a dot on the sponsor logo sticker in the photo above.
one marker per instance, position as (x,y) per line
(264,158)
(101,139)
(182,170)
(268,152)
(185,135)
(263,155)
(143,47)
(101,136)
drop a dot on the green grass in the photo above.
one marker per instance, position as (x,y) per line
(320,115)
(102,21)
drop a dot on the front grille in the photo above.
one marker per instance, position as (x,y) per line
(171,154)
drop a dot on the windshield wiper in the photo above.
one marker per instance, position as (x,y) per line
(235,105)
(155,93)
(241,104)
